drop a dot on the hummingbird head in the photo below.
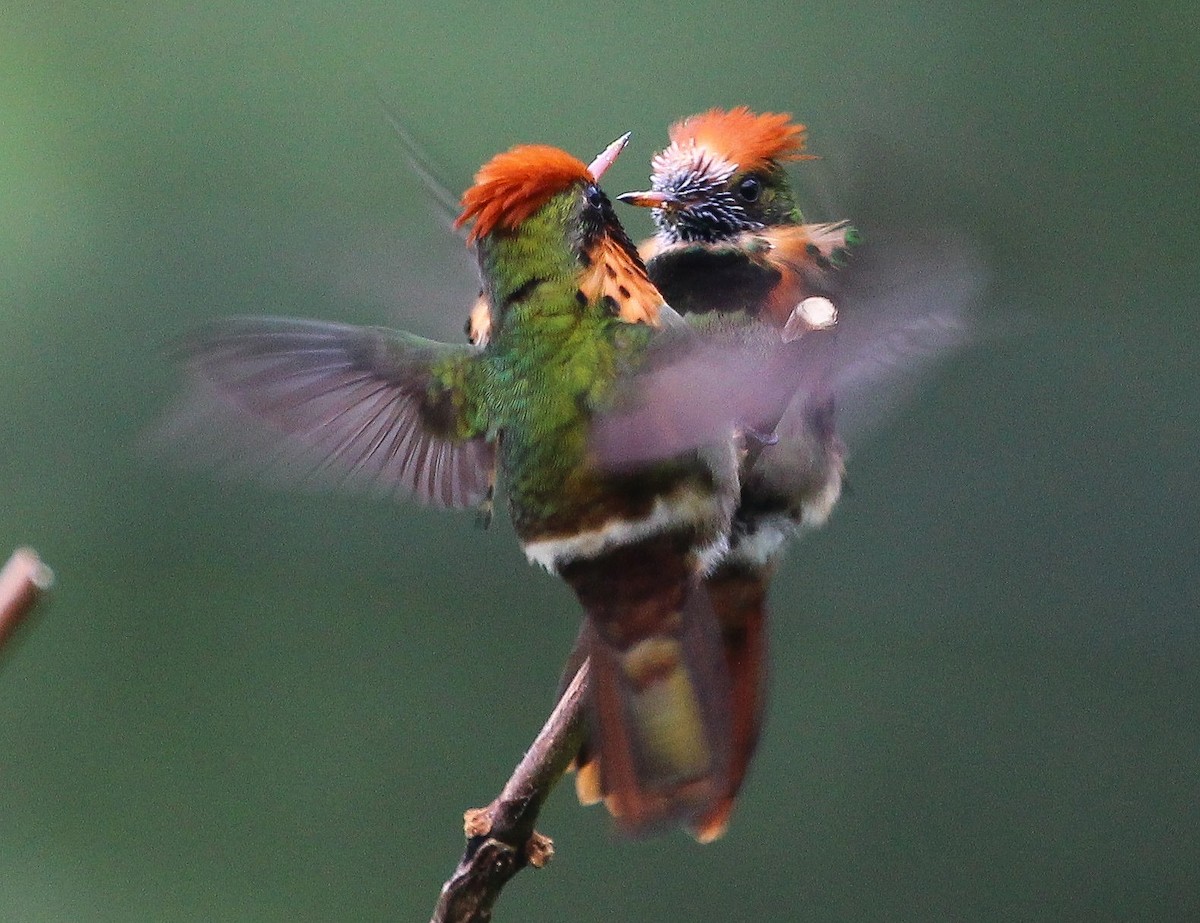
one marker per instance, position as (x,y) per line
(514,186)
(539,215)
(723,174)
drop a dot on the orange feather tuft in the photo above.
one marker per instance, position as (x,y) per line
(615,275)
(743,137)
(803,254)
(511,186)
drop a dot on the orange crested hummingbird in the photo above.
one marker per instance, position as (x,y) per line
(731,238)
(733,254)
(572,313)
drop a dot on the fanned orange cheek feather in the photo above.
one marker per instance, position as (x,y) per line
(748,139)
(615,275)
(803,254)
(513,185)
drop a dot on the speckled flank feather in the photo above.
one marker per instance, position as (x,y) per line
(511,186)
(616,277)
(803,254)
(750,140)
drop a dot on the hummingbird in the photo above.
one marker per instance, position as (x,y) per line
(571,312)
(733,255)
(731,239)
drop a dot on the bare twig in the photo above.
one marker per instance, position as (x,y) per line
(22,581)
(500,838)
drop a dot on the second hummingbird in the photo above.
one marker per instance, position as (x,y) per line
(733,254)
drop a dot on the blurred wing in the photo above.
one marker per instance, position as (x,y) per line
(690,391)
(908,309)
(373,405)
(899,316)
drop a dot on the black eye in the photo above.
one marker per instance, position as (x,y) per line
(595,197)
(749,188)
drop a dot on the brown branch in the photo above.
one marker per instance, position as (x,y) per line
(22,581)
(500,838)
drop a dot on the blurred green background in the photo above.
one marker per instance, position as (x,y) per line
(248,704)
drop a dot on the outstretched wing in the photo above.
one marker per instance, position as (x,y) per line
(692,391)
(373,405)
(899,316)
(910,309)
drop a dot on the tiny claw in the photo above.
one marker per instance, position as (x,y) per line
(477,822)
(648,199)
(605,158)
(539,850)
(814,313)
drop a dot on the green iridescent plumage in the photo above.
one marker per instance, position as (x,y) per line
(573,317)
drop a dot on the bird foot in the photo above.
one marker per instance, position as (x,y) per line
(480,822)
(477,821)
(539,850)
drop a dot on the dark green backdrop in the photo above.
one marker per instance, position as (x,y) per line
(256,705)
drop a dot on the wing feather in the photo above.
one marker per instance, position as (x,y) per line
(363,403)
(899,318)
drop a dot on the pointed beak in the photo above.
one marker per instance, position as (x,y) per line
(650,199)
(605,158)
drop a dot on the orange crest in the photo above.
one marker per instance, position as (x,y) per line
(743,137)
(511,186)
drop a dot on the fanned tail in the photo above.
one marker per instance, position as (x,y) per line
(660,722)
(739,596)
(659,746)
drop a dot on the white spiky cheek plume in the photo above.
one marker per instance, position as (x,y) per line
(700,178)
(689,168)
